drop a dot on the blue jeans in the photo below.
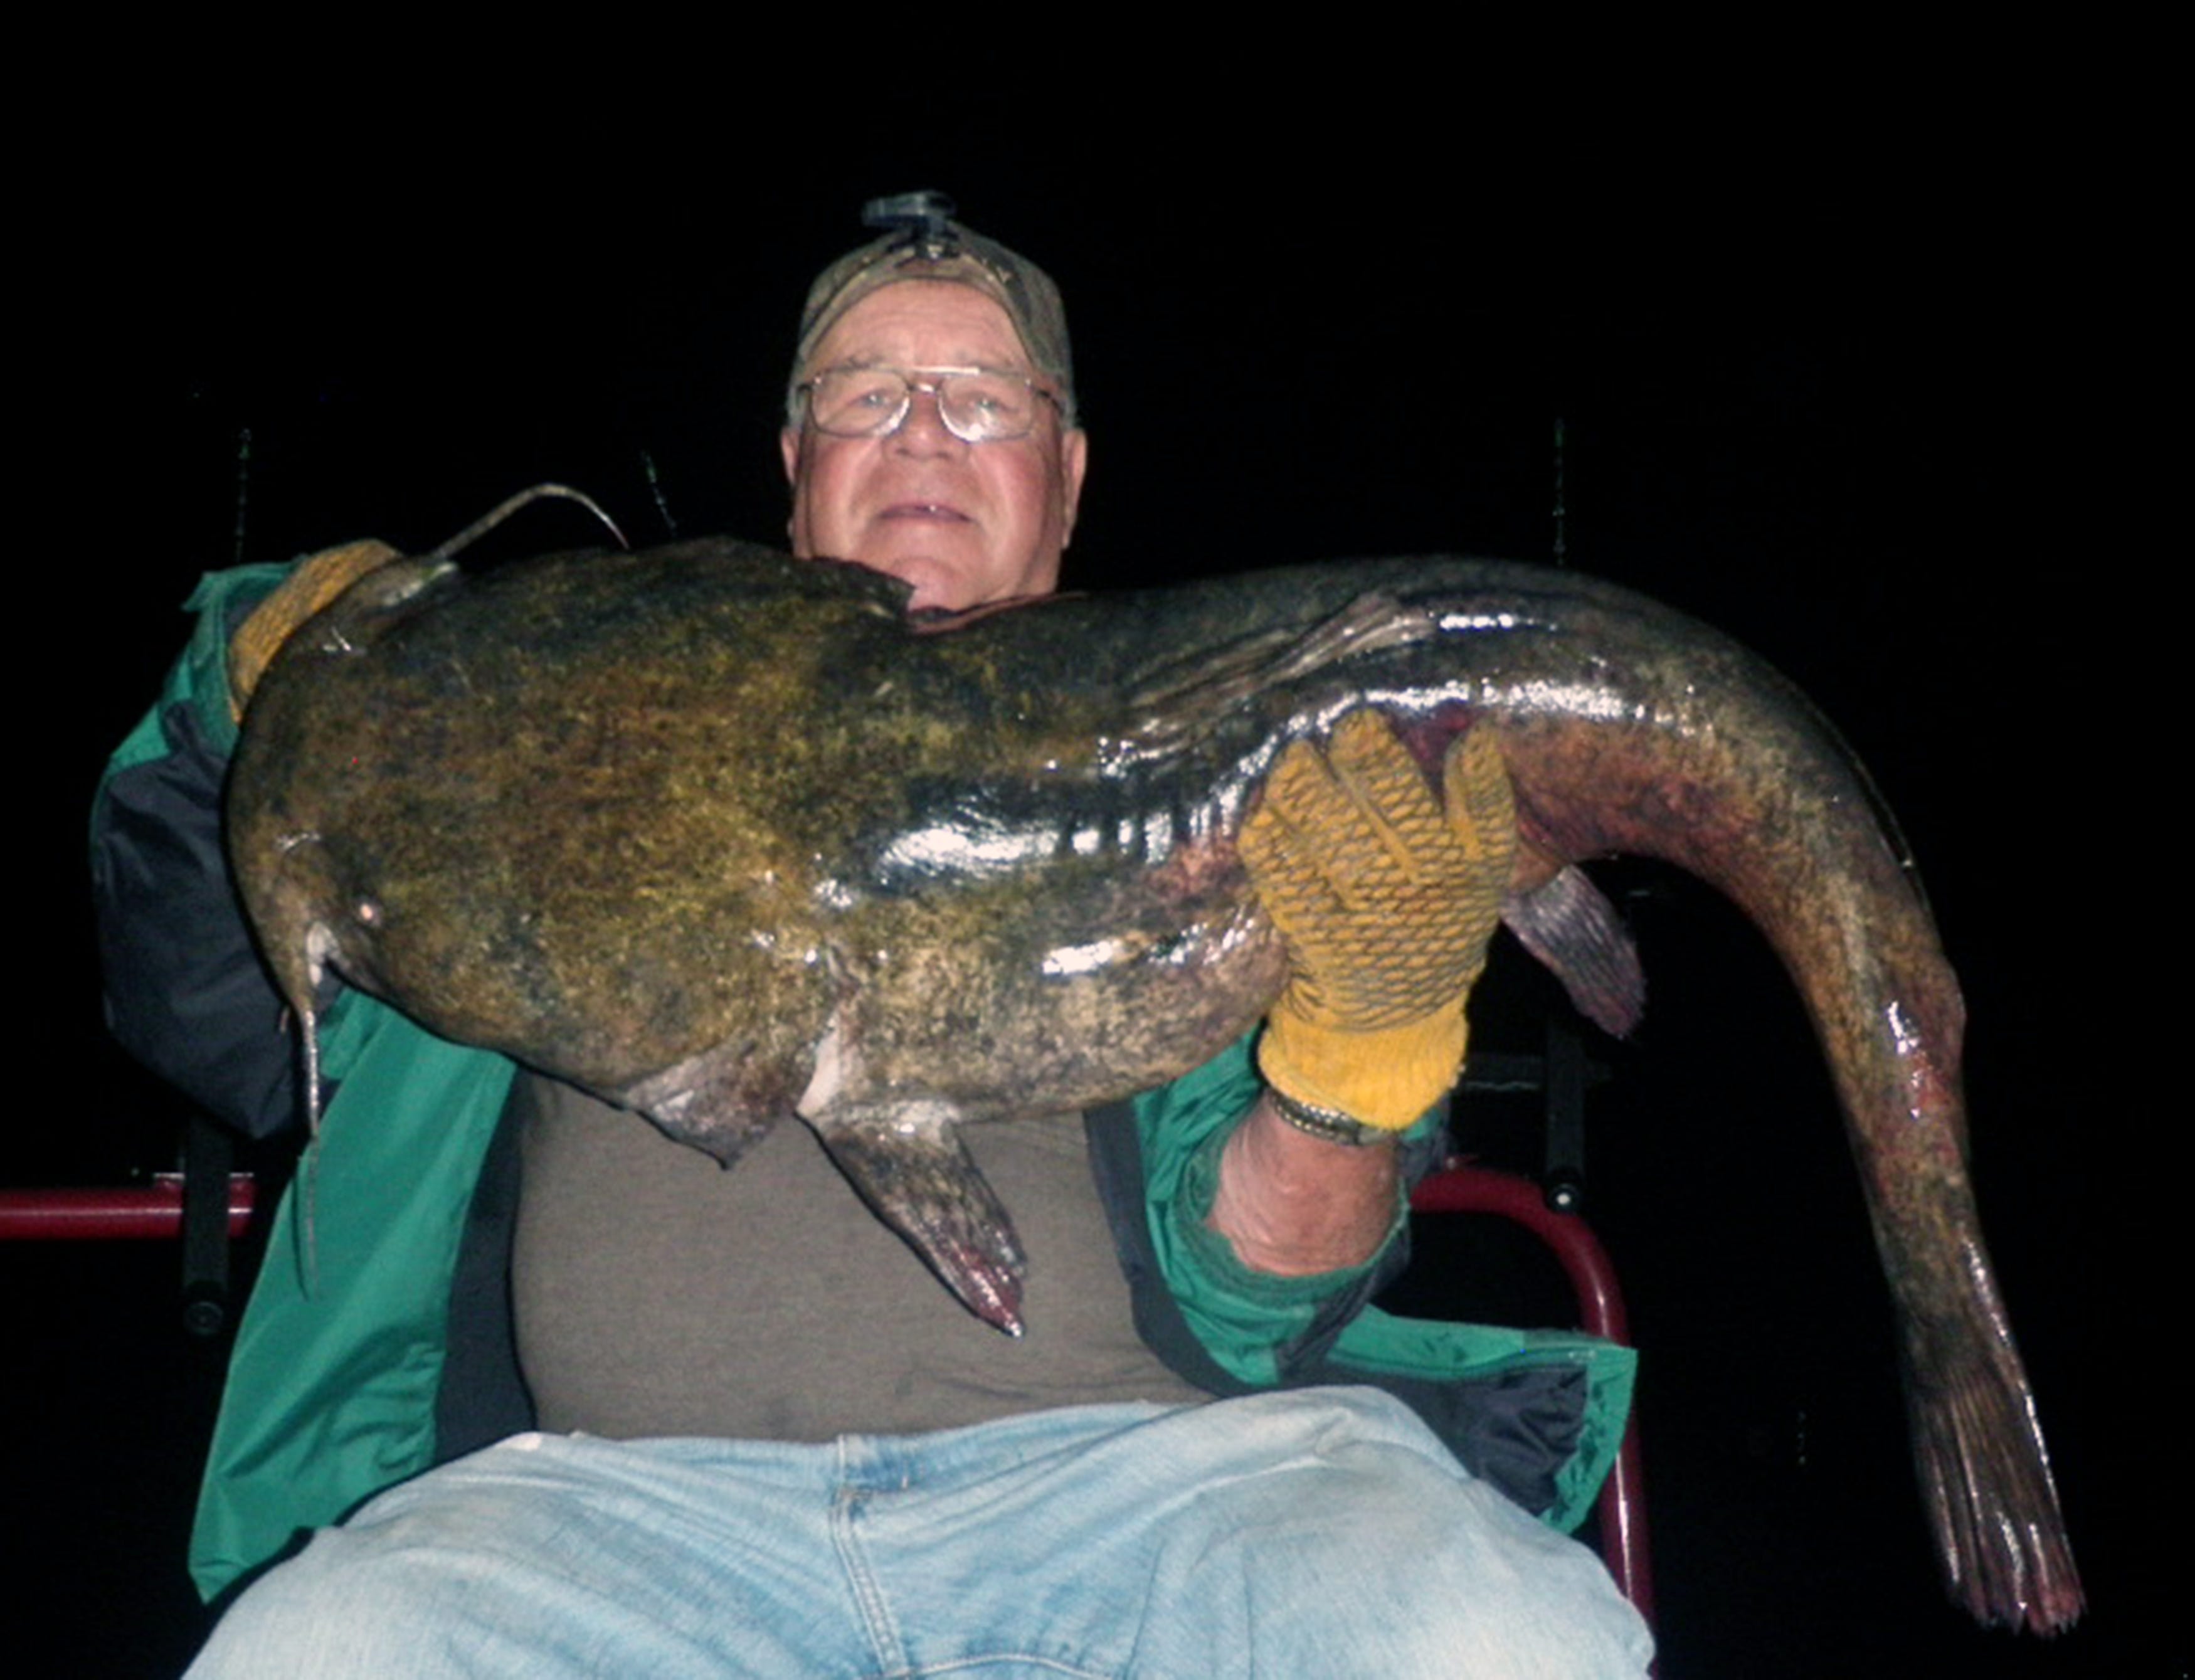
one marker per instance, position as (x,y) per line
(1321,1533)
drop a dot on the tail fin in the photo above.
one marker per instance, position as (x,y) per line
(1986,1483)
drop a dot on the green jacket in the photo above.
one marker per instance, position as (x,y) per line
(331,1388)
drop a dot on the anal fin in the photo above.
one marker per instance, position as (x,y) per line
(1569,925)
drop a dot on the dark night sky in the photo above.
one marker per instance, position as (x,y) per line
(1815,391)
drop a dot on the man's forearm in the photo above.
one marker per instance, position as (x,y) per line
(1293,1204)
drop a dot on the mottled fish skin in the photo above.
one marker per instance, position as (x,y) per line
(721,835)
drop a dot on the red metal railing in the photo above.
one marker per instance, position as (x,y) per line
(109,1214)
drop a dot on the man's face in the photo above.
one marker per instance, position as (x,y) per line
(964,523)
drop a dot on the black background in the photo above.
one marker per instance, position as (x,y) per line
(1838,378)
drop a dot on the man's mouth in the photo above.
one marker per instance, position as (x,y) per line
(925,510)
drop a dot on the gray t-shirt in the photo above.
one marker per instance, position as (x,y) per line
(658,1294)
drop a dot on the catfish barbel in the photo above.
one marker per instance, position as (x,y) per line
(725,837)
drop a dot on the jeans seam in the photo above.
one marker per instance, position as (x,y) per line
(877,1623)
(991,1659)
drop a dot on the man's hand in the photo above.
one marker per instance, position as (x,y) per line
(318,579)
(1387,897)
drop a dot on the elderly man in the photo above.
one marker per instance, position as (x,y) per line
(767,1442)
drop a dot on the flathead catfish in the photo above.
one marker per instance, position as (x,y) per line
(725,837)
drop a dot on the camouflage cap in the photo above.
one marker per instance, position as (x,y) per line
(924,243)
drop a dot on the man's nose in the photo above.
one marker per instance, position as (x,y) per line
(924,431)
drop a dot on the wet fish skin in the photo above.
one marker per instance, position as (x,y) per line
(720,836)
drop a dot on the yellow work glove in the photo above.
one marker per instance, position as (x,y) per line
(1387,896)
(317,580)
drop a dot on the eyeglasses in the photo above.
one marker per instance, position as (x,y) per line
(978,405)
